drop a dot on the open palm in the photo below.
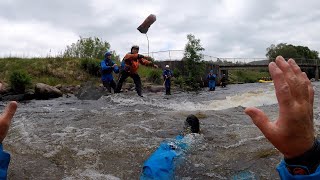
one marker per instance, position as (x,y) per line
(292,133)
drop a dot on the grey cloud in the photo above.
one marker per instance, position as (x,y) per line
(249,26)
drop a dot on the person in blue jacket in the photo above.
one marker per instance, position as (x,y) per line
(162,163)
(293,132)
(5,120)
(167,74)
(212,81)
(107,67)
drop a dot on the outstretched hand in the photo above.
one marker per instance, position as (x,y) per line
(5,118)
(293,132)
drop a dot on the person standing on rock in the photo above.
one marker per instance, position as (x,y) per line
(107,67)
(130,66)
(167,74)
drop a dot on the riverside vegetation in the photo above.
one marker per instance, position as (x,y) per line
(80,63)
(27,72)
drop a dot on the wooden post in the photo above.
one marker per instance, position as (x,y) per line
(317,73)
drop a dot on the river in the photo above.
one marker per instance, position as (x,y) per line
(110,138)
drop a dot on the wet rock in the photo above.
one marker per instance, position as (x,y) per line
(29,94)
(12,97)
(88,91)
(44,91)
(155,88)
(59,86)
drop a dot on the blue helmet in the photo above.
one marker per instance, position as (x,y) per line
(107,54)
(211,71)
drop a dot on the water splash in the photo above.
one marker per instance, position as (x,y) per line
(259,97)
(243,141)
(252,98)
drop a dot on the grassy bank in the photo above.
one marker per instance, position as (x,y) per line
(70,71)
(247,76)
(51,71)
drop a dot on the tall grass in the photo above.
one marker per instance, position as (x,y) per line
(246,76)
(69,71)
(51,71)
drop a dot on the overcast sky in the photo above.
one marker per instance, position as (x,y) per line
(227,28)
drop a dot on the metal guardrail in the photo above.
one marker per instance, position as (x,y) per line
(177,55)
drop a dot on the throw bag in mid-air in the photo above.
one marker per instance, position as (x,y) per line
(144,27)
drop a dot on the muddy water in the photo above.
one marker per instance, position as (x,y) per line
(110,138)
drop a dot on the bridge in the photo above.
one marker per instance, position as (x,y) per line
(304,64)
(222,65)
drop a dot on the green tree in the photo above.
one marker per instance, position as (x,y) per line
(194,65)
(87,48)
(291,51)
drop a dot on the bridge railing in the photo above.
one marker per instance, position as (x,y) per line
(177,55)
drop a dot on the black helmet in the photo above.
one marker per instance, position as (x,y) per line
(192,124)
(135,47)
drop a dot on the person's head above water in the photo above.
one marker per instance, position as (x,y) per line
(192,124)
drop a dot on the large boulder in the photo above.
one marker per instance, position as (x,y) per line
(44,91)
(89,91)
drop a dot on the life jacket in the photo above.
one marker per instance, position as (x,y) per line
(211,77)
(131,63)
(107,63)
(167,73)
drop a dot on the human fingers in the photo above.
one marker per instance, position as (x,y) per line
(281,86)
(310,88)
(311,94)
(301,87)
(260,119)
(8,113)
(290,77)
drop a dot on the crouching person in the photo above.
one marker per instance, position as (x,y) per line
(107,67)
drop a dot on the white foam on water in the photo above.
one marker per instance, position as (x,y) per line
(185,105)
(243,141)
(146,129)
(75,109)
(52,153)
(214,175)
(94,175)
(248,99)
(23,129)
(259,97)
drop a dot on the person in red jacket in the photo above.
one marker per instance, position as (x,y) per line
(130,66)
